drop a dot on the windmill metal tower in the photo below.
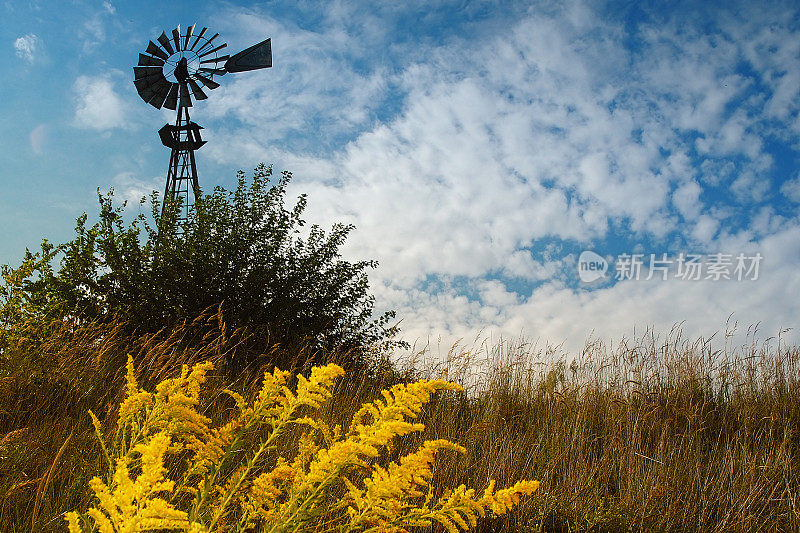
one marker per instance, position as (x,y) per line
(169,74)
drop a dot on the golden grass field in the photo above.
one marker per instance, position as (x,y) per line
(645,436)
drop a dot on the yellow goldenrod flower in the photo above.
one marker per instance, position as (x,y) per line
(265,489)
(231,477)
(316,389)
(73,522)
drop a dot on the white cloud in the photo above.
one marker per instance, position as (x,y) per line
(686,200)
(130,188)
(750,186)
(93,31)
(96,28)
(705,229)
(791,189)
(27,47)
(97,104)
(38,138)
(773,51)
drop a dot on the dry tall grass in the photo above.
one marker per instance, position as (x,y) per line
(662,436)
(669,436)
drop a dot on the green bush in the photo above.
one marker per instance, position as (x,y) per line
(241,250)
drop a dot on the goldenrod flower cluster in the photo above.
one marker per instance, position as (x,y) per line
(169,470)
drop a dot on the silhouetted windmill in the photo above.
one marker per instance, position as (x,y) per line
(170,74)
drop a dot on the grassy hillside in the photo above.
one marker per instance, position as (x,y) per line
(648,436)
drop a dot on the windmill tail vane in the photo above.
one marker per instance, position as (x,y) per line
(170,73)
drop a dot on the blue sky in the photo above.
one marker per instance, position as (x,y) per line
(479,148)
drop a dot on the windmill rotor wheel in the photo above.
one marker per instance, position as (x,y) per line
(179,68)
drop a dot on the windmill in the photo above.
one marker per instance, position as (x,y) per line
(172,73)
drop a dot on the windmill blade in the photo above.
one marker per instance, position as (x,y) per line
(189,32)
(164,40)
(220,47)
(149,61)
(212,71)
(171,101)
(158,100)
(197,92)
(176,38)
(161,90)
(256,57)
(207,43)
(145,88)
(186,98)
(154,50)
(146,72)
(211,84)
(150,80)
(215,60)
(202,32)
(150,88)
